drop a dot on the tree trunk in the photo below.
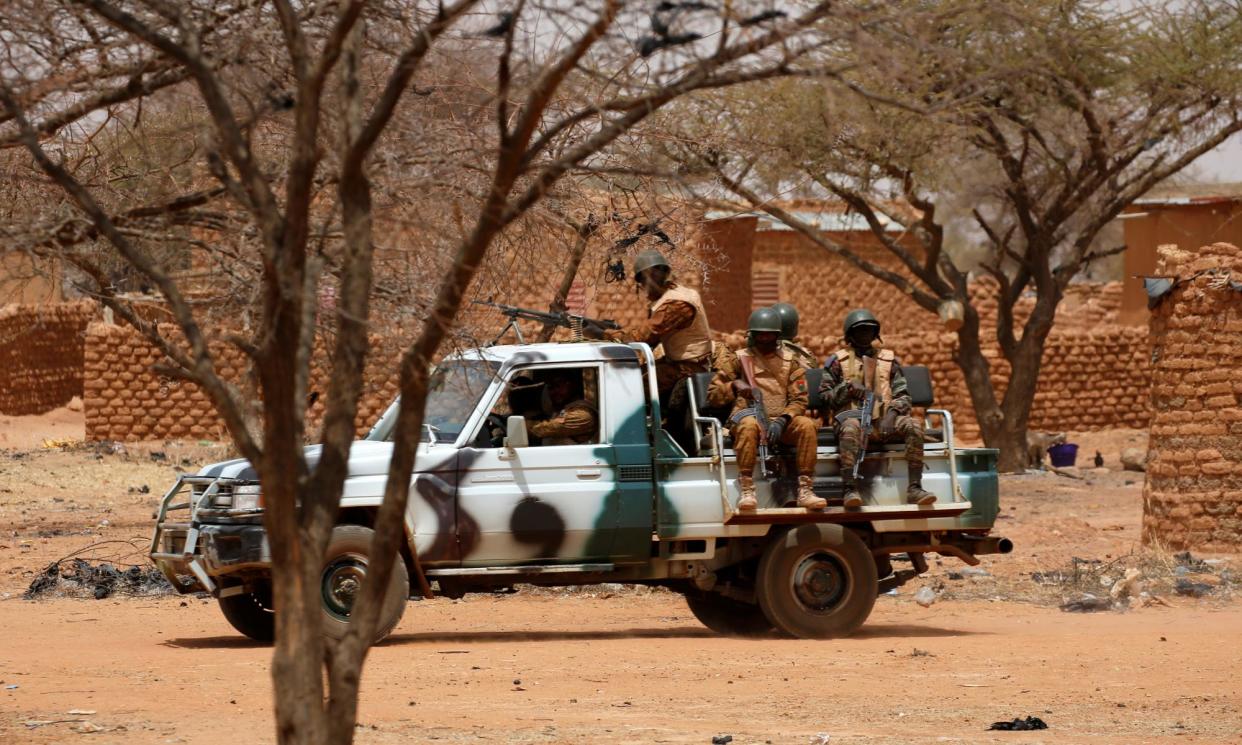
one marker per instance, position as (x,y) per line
(567,282)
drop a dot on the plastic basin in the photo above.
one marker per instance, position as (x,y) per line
(1064,455)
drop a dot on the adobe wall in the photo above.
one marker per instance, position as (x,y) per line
(1193,494)
(1088,381)
(126,400)
(41,355)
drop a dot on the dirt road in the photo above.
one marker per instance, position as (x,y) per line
(634,667)
(639,669)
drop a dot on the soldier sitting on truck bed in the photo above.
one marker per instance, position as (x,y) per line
(781,384)
(574,420)
(843,389)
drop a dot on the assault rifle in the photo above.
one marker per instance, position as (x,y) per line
(596,326)
(868,405)
(761,414)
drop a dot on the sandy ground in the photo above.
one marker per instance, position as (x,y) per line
(626,666)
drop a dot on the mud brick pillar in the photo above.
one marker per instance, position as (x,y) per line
(1193,494)
(727,293)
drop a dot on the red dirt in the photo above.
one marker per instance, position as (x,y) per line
(606,666)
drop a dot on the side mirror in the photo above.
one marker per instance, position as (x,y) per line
(515,433)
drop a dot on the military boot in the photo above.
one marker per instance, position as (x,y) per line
(915,493)
(747,502)
(852,498)
(806,497)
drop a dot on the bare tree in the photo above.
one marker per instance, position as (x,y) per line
(310,122)
(1045,118)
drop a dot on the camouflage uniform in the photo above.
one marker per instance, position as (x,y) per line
(845,367)
(782,383)
(804,357)
(677,323)
(576,423)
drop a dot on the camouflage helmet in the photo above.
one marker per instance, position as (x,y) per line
(762,320)
(789,320)
(648,259)
(860,317)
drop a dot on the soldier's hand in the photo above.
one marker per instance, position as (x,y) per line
(776,429)
(857,391)
(888,423)
(743,389)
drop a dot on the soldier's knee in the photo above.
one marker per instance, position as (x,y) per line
(802,426)
(909,428)
(747,428)
(851,428)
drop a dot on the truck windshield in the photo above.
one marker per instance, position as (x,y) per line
(453,394)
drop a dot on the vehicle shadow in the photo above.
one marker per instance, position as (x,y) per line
(870,631)
(910,631)
(552,635)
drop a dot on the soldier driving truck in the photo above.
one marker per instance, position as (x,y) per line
(866,389)
(548,464)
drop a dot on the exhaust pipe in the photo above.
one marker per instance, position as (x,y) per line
(992,544)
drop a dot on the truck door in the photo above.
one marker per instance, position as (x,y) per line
(546,503)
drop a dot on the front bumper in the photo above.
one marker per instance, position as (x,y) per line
(202,538)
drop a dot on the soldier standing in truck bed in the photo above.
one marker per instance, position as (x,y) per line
(676,321)
(782,386)
(842,388)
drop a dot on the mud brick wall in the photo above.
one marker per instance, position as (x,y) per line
(41,349)
(127,400)
(1088,381)
(1193,494)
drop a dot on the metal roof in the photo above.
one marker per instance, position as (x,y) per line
(824,220)
(1176,194)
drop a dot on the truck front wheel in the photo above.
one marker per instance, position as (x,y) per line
(817,581)
(345,566)
(251,613)
(728,616)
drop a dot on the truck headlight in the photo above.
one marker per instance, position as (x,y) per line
(247,497)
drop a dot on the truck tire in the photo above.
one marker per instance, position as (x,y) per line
(345,564)
(251,614)
(727,616)
(817,581)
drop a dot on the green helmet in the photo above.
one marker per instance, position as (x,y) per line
(789,320)
(648,259)
(764,319)
(860,317)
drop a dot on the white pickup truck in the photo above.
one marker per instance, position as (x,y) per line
(491,507)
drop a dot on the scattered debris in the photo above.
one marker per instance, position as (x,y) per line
(1128,586)
(722,739)
(1134,459)
(925,596)
(100,574)
(1019,725)
(1087,603)
(916,652)
(1191,562)
(820,738)
(1190,589)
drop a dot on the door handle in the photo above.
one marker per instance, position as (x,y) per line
(589,473)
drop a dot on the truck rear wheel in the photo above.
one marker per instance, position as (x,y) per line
(728,616)
(817,581)
(345,565)
(251,613)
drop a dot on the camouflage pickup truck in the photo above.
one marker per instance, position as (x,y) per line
(623,501)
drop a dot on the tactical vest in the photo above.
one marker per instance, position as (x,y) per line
(772,378)
(804,358)
(852,369)
(694,342)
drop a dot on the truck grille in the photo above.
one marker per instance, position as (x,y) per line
(223,497)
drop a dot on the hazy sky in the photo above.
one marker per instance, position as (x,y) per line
(1222,164)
